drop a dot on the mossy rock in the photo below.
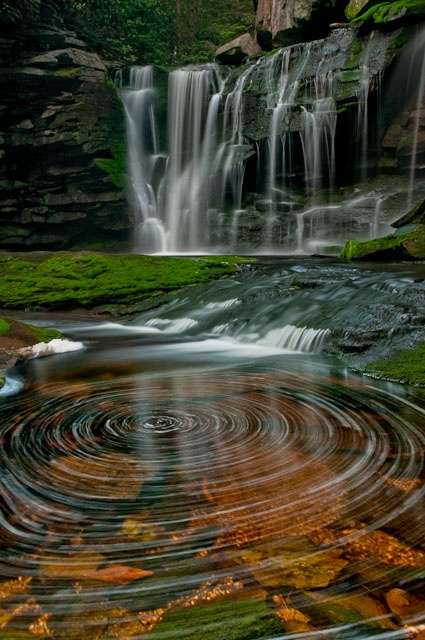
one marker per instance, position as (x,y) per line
(405,246)
(248,620)
(15,335)
(355,7)
(27,333)
(4,327)
(387,12)
(67,280)
(406,367)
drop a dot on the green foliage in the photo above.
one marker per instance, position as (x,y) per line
(70,280)
(15,10)
(131,31)
(200,30)
(161,31)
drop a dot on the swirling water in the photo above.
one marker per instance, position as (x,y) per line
(209,471)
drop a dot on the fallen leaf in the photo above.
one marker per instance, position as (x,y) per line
(119,573)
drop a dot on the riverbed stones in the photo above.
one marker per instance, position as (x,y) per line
(111,477)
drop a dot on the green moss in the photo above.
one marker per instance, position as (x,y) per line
(248,620)
(45,335)
(387,246)
(115,166)
(67,280)
(71,72)
(387,11)
(4,327)
(402,246)
(406,366)
(353,8)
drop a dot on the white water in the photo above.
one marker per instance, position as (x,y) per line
(419,56)
(187,190)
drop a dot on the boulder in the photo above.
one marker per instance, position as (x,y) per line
(284,23)
(237,50)
(396,246)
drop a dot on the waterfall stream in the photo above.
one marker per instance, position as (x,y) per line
(212,171)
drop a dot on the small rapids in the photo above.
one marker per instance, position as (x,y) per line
(219,478)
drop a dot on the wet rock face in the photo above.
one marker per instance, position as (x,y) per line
(285,23)
(61,143)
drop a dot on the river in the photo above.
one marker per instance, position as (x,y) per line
(214,468)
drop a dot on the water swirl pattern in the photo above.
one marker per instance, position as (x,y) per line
(152,491)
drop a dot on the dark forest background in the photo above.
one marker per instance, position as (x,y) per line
(145,31)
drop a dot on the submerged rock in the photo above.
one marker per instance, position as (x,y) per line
(296,569)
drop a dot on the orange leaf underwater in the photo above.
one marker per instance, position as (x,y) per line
(119,573)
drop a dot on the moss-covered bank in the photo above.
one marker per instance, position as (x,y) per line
(407,367)
(106,282)
(115,284)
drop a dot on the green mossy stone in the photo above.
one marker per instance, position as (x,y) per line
(248,620)
(354,7)
(386,12)
(44,334)
(404,246)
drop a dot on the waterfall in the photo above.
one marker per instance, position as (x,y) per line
(318,136)
(143,158)
(172,191)
(297,339)
(246,160)
(419,56)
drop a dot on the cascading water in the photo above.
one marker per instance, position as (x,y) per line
(225,178)
(419,56)
(143,157)
(177,195)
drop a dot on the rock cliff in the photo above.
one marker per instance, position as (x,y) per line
(283,23)
(61,141)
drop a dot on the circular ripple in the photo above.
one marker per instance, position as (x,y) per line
(157,471)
